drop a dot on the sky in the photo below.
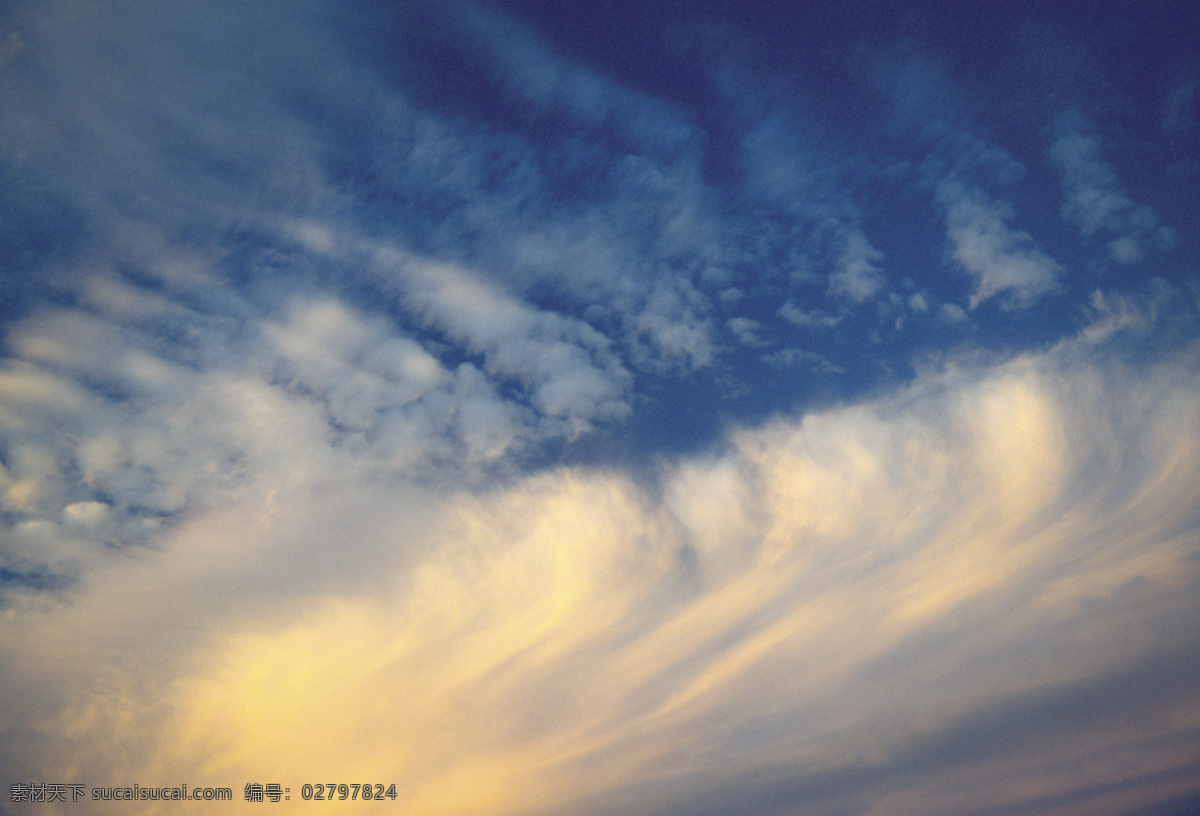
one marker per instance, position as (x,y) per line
(576,409)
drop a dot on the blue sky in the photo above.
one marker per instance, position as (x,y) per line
(589,408)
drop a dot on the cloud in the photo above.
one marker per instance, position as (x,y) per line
(1004,262)
(746,331)
(538,76)
(953,313)
(962,167)
(809,194)
(883,599)
(793,357)
(316,317)
(858,276)
(138,406)
(158,134)
(1095,200)
(566,364)
(355,363)
(1179,109)
(812,319)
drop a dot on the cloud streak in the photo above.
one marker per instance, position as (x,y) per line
(1094,199)
(1004,262)
(980,577)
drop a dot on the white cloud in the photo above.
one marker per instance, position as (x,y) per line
(567,365)
(810,319)
(356,364)
(962,167)
(538,75)
(746,331)
(953,313)
(1004,262)
(847,596)
(858,276)
(823,221)
(794,357)
(1095,200)
(139,405)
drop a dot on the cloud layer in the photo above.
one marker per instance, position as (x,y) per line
(705,414)
(905,604)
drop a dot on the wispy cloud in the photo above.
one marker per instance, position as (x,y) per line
(808,319)
(1095,200)
(963,168)
(1004,262)
(534,73)
(793,357)
(565,364)
(1014,539)
(797,181)
(858,275)
(1179,114)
